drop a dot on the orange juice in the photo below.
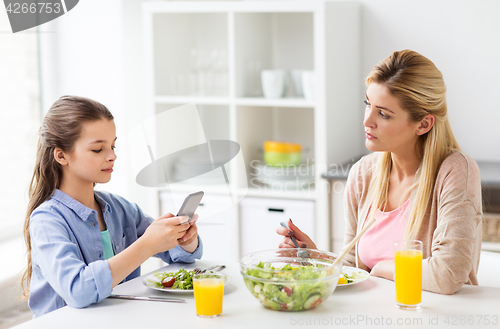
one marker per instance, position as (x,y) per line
(208,294)
(408,277)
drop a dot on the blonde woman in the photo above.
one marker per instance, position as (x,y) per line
(417,183)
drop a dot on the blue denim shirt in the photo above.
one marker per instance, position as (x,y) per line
(67,253)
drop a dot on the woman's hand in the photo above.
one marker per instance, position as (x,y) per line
(189,241)
(163,234)
(384,269)
(303,240)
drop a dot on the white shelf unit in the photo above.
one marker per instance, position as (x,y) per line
(323,36)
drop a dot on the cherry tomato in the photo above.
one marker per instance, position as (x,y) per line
(168,282)
(288,291)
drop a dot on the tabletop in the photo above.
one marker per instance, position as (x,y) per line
(368,304)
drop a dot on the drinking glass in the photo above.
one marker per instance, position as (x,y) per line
(408,276)
(208,293)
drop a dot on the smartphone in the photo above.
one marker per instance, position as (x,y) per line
(190,204)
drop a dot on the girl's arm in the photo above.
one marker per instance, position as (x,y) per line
(187,251)
(58,259)
(58,256)
(161,235)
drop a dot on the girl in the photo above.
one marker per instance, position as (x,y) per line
(417,184)
(81,243)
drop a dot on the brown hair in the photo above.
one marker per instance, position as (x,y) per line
(419,86)
(61,128)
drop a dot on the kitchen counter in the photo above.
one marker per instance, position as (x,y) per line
(364,305)
(340,171)
(490,171)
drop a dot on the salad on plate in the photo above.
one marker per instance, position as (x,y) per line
(352,275)
(180,280)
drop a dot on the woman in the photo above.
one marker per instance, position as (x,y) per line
(417,184)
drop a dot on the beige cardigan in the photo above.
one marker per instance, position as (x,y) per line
(451,231)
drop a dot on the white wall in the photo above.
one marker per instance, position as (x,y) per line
(99,54)
(462,38)
(83,53)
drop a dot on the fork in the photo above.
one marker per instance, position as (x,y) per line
(198,270)
(300,253)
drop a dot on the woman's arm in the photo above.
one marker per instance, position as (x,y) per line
(456,240)
(384,269)
(351,205)
(458,232)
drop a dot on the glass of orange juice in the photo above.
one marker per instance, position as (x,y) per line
(408,276)
(208,292)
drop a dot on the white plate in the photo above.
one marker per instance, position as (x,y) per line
(349,270)
(178,291)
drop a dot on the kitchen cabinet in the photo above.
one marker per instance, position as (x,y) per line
(260,217)
(337,190)
(215,225)
(211,53)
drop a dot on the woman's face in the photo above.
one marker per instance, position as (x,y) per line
(387,126)
(93,156)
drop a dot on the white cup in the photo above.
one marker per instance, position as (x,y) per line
(297,83)
(308,84)
(273,83)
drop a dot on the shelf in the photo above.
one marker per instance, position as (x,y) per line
(194,61)
(235,6)
(267,192)
(258,124)
(219,189)
(280,102)
(247,101)
(192,99)
(260,191)
(212,54)
(266,41)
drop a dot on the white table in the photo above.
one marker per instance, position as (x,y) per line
(365,305)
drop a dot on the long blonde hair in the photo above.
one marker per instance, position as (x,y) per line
(418,85)
(61,127)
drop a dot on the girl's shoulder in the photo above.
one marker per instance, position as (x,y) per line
(115,200)
(108,196)
(52,210)
(112,198)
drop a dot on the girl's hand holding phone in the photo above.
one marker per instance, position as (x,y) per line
(164,233)
(189,241)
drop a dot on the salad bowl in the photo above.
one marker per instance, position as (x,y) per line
(280,282)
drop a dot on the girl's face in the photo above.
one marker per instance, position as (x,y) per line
(387,126)
(93,156)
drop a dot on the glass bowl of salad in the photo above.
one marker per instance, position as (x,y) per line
(282,280)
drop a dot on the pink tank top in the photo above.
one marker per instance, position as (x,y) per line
(377,243)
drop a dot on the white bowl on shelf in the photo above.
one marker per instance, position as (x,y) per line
(308,84)
(273,83)
(296,77)
(286,177)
